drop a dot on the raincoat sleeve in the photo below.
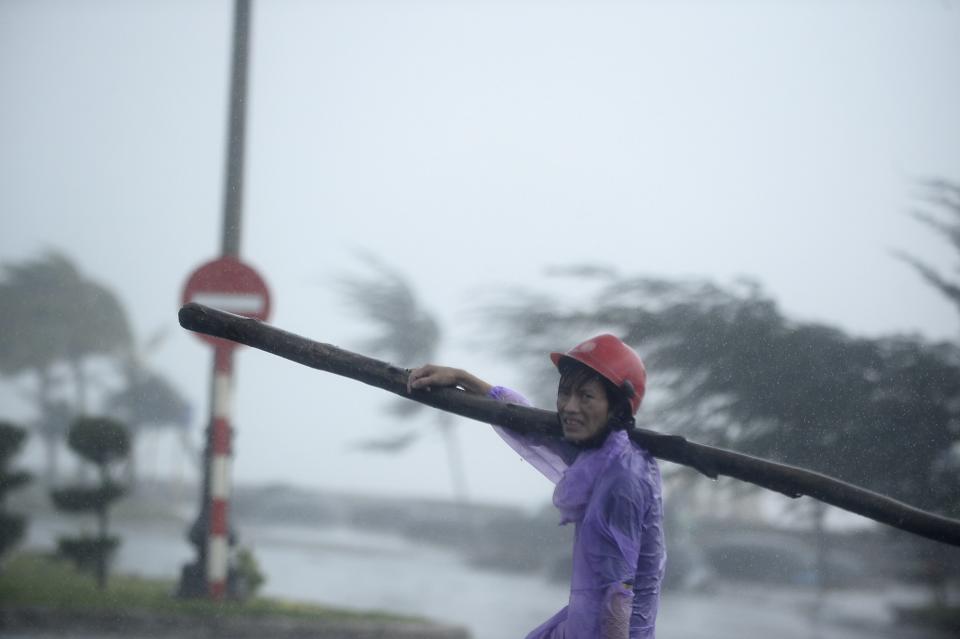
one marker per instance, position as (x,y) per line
(613,552)
(550,455)
(615,613)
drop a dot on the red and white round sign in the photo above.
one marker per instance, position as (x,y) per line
(229,285)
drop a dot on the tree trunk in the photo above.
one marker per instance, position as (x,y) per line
(819,516)
(51,439)
(80,384)
(103,532)
(458,479)
(51,449)
(130,469)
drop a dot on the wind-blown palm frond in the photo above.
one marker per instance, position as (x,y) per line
(944,196)
(409,335)
(407,332)
(948,289)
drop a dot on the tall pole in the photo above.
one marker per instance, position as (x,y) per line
(209,575)
(237,127)
(219,444)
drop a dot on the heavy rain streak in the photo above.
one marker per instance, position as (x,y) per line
(761,200)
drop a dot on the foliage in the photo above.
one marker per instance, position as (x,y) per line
(409,335)
(50,315)
(149,398)
(11,440)
(12,526)
(100,441)
(12,480)
(944,197)
(406,334)
(86,552)
(728,368)
(84,499)
(148,401)
(913,425)
(51,312)
(248,572)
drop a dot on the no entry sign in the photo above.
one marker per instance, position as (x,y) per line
(230,285)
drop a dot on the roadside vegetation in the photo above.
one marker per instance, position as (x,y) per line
(42,581)
(99,441)
(12,525)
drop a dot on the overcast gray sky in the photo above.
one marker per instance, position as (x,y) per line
(472,144)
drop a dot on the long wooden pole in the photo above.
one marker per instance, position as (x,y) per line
(712,462)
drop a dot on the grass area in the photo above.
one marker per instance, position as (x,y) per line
(43,581)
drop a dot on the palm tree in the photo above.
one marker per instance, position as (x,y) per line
(51,314)
(408,335)
(944,198)
(148,401)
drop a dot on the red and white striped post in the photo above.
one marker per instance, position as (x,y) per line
(230,285)
(218,538)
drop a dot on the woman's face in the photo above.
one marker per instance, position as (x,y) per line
(583,408)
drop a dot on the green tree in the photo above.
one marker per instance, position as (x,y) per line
(51,315)
(942,214)
(12,525)
(101,441)
(728,368)
(249,576)
(731,370)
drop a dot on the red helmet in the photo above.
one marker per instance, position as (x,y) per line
(613,360)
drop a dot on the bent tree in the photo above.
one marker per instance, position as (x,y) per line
(54,317)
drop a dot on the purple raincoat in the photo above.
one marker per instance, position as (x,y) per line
(612,496)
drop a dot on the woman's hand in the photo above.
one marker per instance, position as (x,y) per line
(432,375)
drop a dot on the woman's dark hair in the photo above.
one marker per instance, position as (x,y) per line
(573,374)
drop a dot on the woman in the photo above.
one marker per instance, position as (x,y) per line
(606,485)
